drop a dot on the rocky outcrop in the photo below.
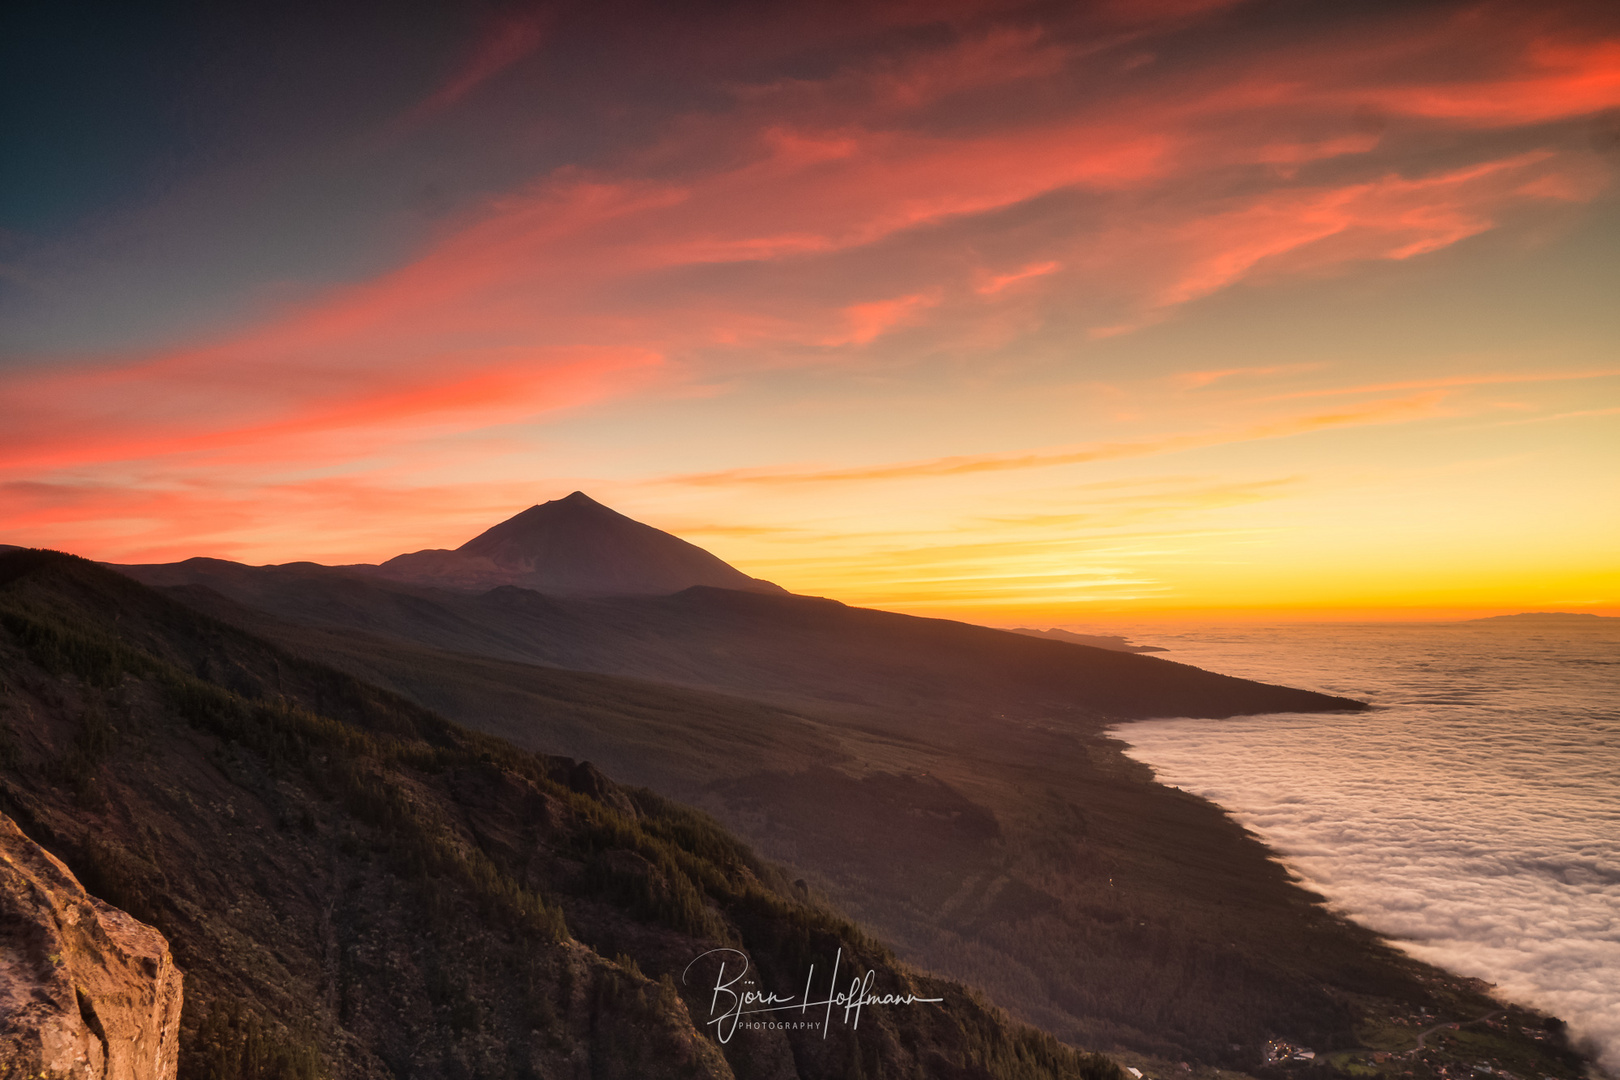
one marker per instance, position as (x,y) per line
(86,991)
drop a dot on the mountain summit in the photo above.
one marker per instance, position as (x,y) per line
(575,546)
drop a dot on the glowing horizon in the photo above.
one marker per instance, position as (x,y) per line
(1143,311)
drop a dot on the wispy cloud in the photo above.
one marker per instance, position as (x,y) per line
(1391,217)
(994,283)
(191,406)
(858,199)
(1390,411)
(1449,382)
(1574,414)
(1195,380)
(1552,79)
(506,41)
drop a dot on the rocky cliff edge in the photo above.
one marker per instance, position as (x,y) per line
(86,991)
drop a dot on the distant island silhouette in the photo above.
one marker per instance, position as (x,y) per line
(1550,616)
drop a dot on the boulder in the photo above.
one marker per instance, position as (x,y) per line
(86,991)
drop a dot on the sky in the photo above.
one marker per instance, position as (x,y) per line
(1051,313)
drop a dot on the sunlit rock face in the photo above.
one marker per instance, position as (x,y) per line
(86,991)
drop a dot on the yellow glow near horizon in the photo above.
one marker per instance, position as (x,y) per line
(1116,309)
(1325,523)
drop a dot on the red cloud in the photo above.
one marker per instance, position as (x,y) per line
(255,411)
(1556,80)
(867,321)
(1391,217)
(810,215)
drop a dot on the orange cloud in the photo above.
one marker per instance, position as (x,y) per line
(1393,217)
(804,216)
(1391,411)
(997,282)
(867,321)
(1194,380)
(807,170)
(334,520)
(109,415)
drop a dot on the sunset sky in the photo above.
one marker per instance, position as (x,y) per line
(1009,312)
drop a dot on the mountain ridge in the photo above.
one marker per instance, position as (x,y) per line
(1114,642)
(358,887)
(1018,849)
(781,647)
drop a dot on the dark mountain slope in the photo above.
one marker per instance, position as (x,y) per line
(1015,848)
(573,545)
(823,650)
(793,650)
(673,739)
(357,887)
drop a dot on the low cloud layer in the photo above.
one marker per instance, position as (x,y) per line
(1473,818)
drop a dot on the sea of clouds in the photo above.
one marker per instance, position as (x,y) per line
(1473,817)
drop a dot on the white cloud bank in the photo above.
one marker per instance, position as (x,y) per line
(1474,818)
